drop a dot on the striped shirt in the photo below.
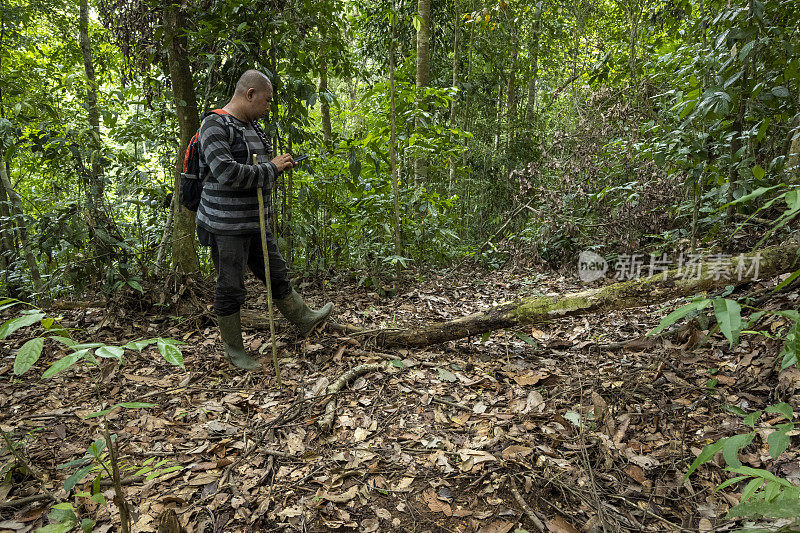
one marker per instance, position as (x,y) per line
(228,204)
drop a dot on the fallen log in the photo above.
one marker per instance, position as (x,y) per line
(632,293)
(623,295)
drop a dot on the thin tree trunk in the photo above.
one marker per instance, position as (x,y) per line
(398,240)
(533,50)
(22,230)
(423,76)
(325,107)
(184,252)
(511,96)
(456,25)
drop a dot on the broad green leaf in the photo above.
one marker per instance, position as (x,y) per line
(759,472)
(787,281)
(705,456)
(780,91)
(87,525)
(678,314)
(87,346)
(135,284)
(778,440)
(758,172)
(729,318)
(730,450)
(398,364)
(76,478)
(771,491)
(27,355)
(446,375)
(779,508)
(755,194)
(62,364)
(782,409)
(170,352)
(12,325)
(110,352)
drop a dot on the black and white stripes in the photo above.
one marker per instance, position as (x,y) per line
(229,205)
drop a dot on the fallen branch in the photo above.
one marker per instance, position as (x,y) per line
(525,507)
(326,422)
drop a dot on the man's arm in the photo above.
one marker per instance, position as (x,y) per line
(217,154)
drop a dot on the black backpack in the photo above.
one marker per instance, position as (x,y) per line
(191,181)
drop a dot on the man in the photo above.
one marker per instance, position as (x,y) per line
(228,218)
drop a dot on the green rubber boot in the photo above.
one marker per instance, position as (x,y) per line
(297,312)
(230,328)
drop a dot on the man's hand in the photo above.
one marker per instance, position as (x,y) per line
(282,162)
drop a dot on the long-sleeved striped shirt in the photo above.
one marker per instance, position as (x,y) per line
(229,205)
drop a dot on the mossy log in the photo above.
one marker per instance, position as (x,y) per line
(623,295)
(632,293)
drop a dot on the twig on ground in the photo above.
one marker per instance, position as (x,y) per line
(525,507)
(326,423)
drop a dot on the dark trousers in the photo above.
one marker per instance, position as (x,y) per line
(231,253)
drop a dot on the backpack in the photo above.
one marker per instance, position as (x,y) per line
(191,181)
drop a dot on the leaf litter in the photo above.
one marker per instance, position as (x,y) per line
(439,439)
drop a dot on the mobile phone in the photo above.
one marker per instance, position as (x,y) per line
(300,158)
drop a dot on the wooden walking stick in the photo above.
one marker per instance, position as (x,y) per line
(267,280)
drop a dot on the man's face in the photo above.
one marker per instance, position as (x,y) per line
(259,101)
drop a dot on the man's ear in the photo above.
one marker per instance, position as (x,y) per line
(251,93)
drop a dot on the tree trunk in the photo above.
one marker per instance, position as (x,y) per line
(511,96)
(95,188)
(398,240)
(533,50)
(423,76)
(632,293)
(184,252)
(456,25)
(22,230)
(325,107)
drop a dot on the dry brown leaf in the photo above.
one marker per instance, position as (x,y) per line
(559,525)
(343,497)
(500,526)
(530,379)
(435,504)
(516,452)
(636,473)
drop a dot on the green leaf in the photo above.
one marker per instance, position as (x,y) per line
(10,326)
(139,345)
(780,508)
(705,456)
(729,318)
(730,450)
(780,91)
(397,363)
(678,314)
(62,364)
(782,409)
(730,482)
(136,405)
(27,355)
(485,336)
(758,172)
(778,440)
(66,341)
(526,339)
(751,488)
(446,375)
(96,414)
(87,346)
(170,352)
(76,478)
(110,352)
(135,285)
(87,525)
(751,419)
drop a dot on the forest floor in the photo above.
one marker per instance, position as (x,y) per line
(546,423)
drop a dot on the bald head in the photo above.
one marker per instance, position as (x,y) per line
(251,99)
(252,79)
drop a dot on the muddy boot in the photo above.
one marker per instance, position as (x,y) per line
(230,328)
(297,312)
